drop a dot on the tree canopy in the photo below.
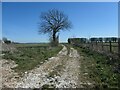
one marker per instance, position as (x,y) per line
(52,22)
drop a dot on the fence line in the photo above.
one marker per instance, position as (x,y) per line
(102,47)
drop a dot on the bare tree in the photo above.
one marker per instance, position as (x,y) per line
(52,22)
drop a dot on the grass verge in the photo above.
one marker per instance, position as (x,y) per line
(103,70)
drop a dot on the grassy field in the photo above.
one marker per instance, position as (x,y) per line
(104,71)
(31,44)
(29,56)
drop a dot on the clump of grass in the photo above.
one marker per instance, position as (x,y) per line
(28,57)
(99,68)
(53,73)
(56,71)
(47,86)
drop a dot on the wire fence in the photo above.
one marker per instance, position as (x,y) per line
(109,48)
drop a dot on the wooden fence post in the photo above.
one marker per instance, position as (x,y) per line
(102,46)
(96,47)
(92,45)
(110,46)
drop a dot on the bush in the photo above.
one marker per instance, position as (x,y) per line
(6,40)
(53,43)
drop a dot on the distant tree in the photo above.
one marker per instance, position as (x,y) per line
(107,39)
(83,40)
(100,39)
(114,39)
(52,22)
(6,40)
(93,39)
(69,40)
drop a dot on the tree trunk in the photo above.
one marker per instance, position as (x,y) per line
(54,36)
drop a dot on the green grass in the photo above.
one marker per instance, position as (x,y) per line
(100,68)
(29,56)
(31,44)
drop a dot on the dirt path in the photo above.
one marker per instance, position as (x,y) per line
(69,77)
(61,71)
